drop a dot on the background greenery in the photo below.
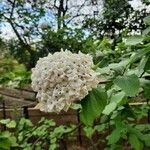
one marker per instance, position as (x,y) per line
(120,44)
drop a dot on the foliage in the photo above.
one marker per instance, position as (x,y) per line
(24,25)
(12,73)
(118,18)
(122,62)
(93,104)
(35,37)
(123,82)
(26,136)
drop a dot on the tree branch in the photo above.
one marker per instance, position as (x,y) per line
(12,9)
(10,1)
(78,12)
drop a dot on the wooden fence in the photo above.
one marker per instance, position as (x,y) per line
(20,102)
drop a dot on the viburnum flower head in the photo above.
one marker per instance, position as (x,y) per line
(63,78)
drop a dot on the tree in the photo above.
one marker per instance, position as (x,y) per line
(117,16)
(24,23)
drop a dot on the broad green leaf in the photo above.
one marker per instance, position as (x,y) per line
(92,105)
(24,123)
(136,144)
(115,136)
(146,31)
(11,124)
(147,65)
(110,108)
(4,121)
(142,65)
(114,101)
(49,122)
(53,140)
(146,138)
(88,131)
(114,66)
(133,40)
(129,84)
(140,53)
(59,130)
(13,141)
(146,86)
(147,20)
(141,127)
(6,134)
(53,146)
(117,98)
(100,127)
(147,91)
(4,143)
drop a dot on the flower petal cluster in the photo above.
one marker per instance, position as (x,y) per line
(62,78)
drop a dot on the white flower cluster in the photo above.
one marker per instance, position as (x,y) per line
(62,78)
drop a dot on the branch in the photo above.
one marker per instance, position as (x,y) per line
(66,8)
(20,26)
(77,15)
(12,9)
(10,1)
(55,5)
(14,29)
(12,23)
(104,82)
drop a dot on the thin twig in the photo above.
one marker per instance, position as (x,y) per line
(104,82)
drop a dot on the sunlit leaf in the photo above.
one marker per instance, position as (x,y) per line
(147,20)
(110,108)
(129,84)
(93,105)
(133,40)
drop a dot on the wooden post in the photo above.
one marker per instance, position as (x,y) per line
(25,112)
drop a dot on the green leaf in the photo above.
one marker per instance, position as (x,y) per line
(4,143)
(145,84)
(135,142)
(88,131)
(146,31)
(59,131)
(13,141)
(110,108)
(5,121)
(129,84)
(114,101)
(133,40)
(140,53)
(11,124)
(49,122)
(93,105)
(147,65)
(24,123)
(142,66)
(53,146)
(6,140)
(147,20)
(100,127)
(117,98)
(146,138)
(114,136)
